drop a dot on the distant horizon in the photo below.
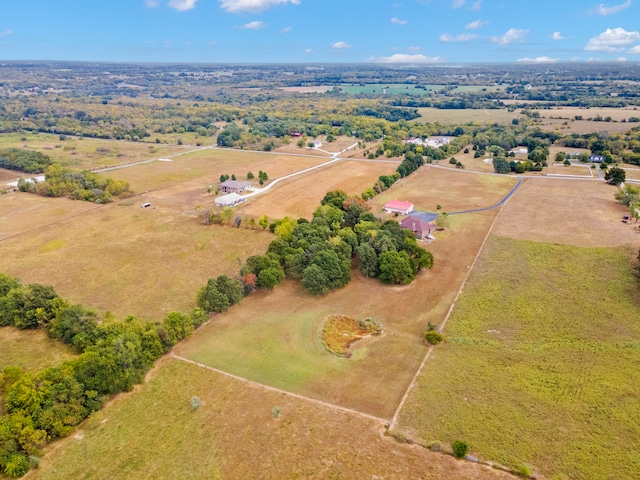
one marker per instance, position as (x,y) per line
(420,32)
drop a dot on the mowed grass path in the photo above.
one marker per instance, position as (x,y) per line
(541,362)
(152,433)
(274,337)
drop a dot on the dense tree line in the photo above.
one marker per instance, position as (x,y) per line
(84,185)
(112,357)
(26,161)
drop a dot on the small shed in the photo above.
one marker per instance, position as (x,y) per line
(233,186)
(421,229)
(399,207)
(230,200)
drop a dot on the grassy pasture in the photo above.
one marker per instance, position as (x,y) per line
(129,260)
(207,165)
(466,115)
(275,337)
(301,195)
(453,190)
(580,170)
(571,212)
(86,153)
(21,212)
(32,350)
(542,351)
(470,163)
(391,88)
(153,433)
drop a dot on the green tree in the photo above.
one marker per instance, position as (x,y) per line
(264,222)
(395,267)
(460,449)
(270,277)
(231,287)
(17,465)
(615,176)
(367,260)
(250,176)
(315,280)
(210,299)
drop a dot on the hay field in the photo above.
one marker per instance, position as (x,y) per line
(21,212)
(580,170)
(207,165)
(82,153)
(300,196)
(274,337)
(542,351)
(452,189)
(461,116)
(129,260)
(571,212)
(153,433)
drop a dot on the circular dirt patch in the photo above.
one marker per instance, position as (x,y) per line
(340,332)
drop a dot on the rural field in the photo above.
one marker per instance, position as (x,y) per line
(570,212)
(461,116)
(453,190)
(87,153)
(235,435)
(274,337)
(542,351)
(579,170)
(31,350)
(119,257)
(205,167)
(300,196)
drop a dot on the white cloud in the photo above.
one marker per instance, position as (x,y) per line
(340,45)
(557,36)
(7,32)
(212,42)
(635,50)
(538,60)
(151,3)
(255,25)
(397,21)
(462,37)
(477,5)
(286,29)
(405,58)
(414,48)
(457,3)
(253,6)
(621,59)
(182,5)
(308,50)
(612,40)
(605,10)
(476,24)
(513,35)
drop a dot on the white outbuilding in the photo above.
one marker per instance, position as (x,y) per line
(230,200)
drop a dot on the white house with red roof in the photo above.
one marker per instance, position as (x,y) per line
(399,207)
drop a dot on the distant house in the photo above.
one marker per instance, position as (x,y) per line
(421,229)
(233,186)
(396,206)
(296,134)
(521,151)
(596,158)
(230,200)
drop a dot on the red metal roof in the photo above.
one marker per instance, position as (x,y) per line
(398,205)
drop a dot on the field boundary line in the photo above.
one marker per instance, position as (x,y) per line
(278,390)
(394,420)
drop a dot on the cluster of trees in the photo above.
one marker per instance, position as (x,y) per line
(26,161)
(629,196)
(319,252)
(220,293)
(82,185)
(113,357)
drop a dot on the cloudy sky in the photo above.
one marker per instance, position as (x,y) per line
(326,31)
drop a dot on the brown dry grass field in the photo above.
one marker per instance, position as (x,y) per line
(20,212)
(129,260)
(582,127)
(275,337)
(87,153)
(453,190)
(31,350)
(301,195)
(153,433)
(584,171)
(616,114)
(316,89)
(7,176)
(572,212)
(633,172)
(207,165)
(470,163)
(460,116)
(296,150)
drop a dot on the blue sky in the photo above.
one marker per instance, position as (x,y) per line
(325,31)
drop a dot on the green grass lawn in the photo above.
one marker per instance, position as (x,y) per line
(540,366)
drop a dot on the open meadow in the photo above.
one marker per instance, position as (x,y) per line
(84,153)
(576,170)
(31,350)
(541,351)
(453,190)
(300,196)
(119,257)
(204,167)
(571,212)
(274,337)
(154,433)
(462,116)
